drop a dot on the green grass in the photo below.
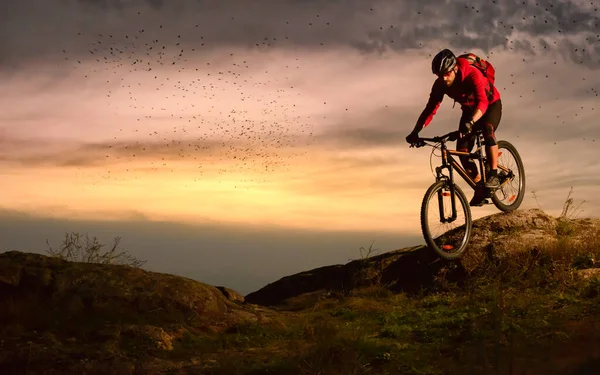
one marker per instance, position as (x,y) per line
(411,335)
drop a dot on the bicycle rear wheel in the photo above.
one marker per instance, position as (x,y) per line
(509,195)
(450,239)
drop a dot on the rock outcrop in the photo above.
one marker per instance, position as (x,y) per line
(77,289)
(55,311)
(415,269)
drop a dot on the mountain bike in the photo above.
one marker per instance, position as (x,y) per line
(447,228)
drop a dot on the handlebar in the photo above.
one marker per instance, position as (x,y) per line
(442,138)
(452,136)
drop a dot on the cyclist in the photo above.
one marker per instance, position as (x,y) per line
(481,109)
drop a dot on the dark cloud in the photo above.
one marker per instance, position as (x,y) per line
(376,134)
(383,127)
(120,4)
(272,151)
(488,25)
(371,27)
(392,132)
(371,136)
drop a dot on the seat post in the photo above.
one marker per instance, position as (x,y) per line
(483,167)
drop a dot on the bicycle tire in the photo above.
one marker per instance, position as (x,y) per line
(431,242)
(504,146)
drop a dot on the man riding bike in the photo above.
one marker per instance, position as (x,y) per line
(481,109)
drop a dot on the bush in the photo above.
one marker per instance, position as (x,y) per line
(72,250)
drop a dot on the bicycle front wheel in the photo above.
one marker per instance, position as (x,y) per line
(446,236)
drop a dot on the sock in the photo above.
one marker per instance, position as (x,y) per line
(493,172)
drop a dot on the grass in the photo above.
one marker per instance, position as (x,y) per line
(498,321)
(436,334)
(568,213)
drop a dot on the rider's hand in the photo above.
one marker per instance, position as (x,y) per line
(466,127)
(412,138)
(454,136)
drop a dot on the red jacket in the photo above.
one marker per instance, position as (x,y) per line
(470,88)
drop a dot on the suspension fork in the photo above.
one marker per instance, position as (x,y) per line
(450,183)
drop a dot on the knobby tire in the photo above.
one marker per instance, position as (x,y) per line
(507,146)
(462,204)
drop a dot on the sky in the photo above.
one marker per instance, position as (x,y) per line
(238,142)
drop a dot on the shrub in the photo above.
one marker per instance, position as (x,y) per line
(73,250)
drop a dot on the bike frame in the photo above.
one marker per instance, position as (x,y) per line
(450,163)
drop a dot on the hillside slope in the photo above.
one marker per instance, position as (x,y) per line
(416,268)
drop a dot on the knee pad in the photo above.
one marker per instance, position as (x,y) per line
(488,135)
(490,141)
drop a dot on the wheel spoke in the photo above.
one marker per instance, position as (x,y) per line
(448,238)
(510,171)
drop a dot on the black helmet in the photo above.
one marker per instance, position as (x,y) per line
(443,62)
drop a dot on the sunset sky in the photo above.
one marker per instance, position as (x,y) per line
(237,142)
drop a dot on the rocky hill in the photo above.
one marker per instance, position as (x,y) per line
(416,268)
(527,277)
(87,318)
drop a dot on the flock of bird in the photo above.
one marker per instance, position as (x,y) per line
(241,143)
(200,128)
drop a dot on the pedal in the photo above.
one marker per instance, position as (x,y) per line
(480,203)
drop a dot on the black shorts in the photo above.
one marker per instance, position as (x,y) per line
(488,123)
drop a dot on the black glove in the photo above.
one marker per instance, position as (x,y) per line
(466,127)
(454,136)
(412,137)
